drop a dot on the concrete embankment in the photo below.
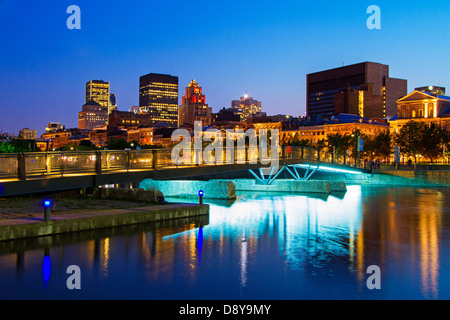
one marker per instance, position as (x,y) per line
(400,178)
(214,189)
(12,229)
(425,177)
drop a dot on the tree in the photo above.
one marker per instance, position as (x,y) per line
(321,144)
(117,144)
(432,139)
(409,139)
(340,143)
(6,147)
(382,145)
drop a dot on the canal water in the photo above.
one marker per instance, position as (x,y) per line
(277,247)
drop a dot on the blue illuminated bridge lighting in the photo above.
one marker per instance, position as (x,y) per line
(329,169)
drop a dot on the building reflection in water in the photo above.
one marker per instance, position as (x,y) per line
(396,229)
(404,238)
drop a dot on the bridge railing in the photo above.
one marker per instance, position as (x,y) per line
(50,164)
(8,165)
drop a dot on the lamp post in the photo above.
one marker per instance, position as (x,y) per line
(359,147)
(200,197)
(47,209)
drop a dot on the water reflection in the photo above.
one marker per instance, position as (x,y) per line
(262,246)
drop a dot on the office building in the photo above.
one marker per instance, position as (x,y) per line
(28,134)
(246,107)
(92,115)
(158,97)
(363,89)
(193,106)
(112,102)
(99,91)
(129,119)
(54,126)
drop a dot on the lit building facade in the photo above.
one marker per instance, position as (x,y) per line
(158,97)
(313,133)
(246,107)
(193,106)
(28,134)
(54,126)
(129,119)
(363,89)
(92,115)
(100,137)
(99,91)
(347,124)
(112,102)
(423,107)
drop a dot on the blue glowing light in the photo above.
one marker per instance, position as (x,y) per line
(47,203)
(200,193)
(46,268)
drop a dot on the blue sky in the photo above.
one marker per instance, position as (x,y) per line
(264,48)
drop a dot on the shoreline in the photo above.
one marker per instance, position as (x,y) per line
(35,226)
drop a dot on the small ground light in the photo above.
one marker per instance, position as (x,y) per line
(200,197)
(47,209)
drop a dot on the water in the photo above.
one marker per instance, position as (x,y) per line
(279,247)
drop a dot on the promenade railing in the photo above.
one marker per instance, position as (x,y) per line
(25,166)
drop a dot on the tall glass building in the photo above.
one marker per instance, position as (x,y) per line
(98,91)
(158,97)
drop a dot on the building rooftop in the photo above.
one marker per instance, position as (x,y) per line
(352,118)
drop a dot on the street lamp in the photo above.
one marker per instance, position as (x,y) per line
(200,197)
(359,146)
(47,204)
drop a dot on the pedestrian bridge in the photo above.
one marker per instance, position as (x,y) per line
(28,173)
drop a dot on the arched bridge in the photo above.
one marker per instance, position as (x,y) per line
(29,173)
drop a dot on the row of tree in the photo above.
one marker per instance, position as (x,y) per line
(416,140)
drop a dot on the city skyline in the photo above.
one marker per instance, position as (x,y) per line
(268,58)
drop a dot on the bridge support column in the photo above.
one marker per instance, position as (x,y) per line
(128,161)
(155,160)
(21,170)
(98,162)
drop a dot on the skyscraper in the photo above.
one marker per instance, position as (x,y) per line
(112,102)
(98,91)
(364,89)
(193,106)
(246,107)
(158,97)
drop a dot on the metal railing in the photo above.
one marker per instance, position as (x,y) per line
(24,166)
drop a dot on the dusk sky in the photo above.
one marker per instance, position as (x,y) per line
(264,48)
